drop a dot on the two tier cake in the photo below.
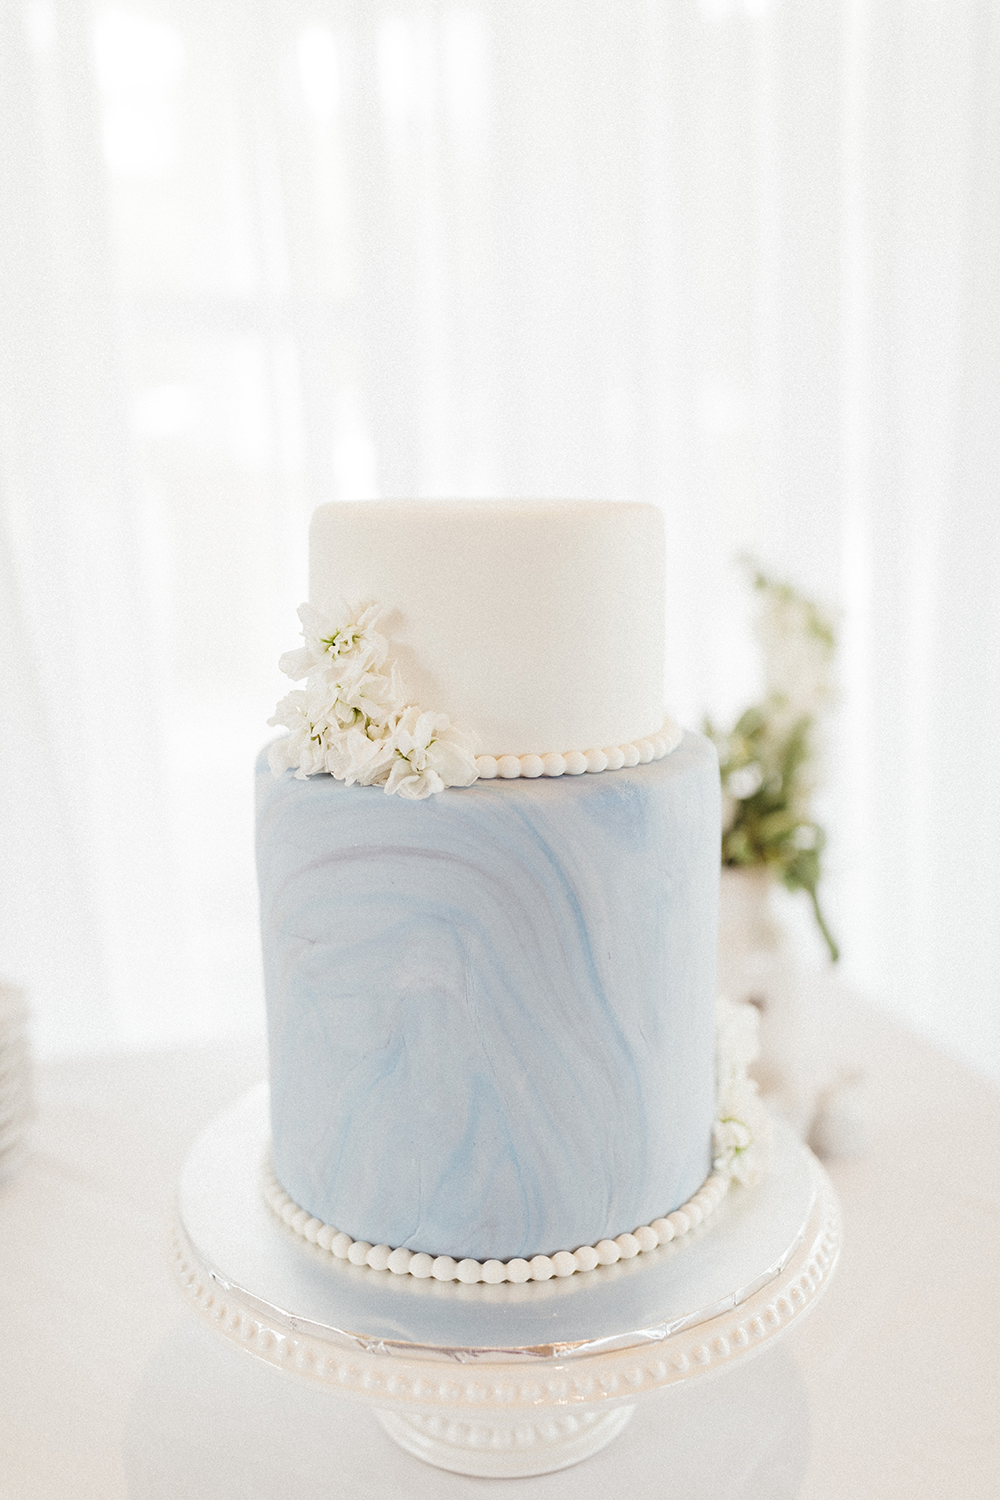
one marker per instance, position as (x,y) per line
(488,868)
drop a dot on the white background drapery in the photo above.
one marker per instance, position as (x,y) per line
(736,258)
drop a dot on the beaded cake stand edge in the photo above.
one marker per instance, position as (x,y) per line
(507,1420)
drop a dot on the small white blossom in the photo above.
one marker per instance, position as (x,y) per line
(328,637)
(744,781)
(742,1126)
(731,1136)
(362,755)
(430,755)
(302,750)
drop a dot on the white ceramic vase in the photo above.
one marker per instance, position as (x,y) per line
(758,963)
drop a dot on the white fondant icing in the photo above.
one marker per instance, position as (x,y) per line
(533,625)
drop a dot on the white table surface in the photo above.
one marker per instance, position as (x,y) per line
(110,1386)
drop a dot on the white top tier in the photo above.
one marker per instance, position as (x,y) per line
(536,626)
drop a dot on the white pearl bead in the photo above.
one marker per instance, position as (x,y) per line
(645,1238)
(358,1252)
(615,756)
(341,1244)
(680,1221)
(326,1236)
(663,1230)
(694,1213)
(509,767)
(586,1258)
(289,1211)
(300,1220)
(576,763)
(518,1270)
(486,766)
(421,1265)
(399,1261)
(630,755)
(469,1271)
(607,1252)
(532,765)
(312,1229)
(444,1268)
(563,1263)
(378,1257)
(628,1245)
(554,765)
(596,760)
(542,1268)
(645,750)
(494,1272)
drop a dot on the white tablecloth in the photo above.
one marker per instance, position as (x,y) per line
(110,1386)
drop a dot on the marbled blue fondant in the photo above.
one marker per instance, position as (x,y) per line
(491,1012)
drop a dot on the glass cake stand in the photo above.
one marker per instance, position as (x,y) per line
(510,1380)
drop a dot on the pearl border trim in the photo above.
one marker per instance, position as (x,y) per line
(540,1268)
(575,762)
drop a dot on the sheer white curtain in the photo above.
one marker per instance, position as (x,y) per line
(735,257)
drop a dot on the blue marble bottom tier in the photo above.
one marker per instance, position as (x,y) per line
(491,1013)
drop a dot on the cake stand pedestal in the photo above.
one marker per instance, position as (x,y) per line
(511,1380)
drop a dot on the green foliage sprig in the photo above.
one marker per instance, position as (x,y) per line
(767,759)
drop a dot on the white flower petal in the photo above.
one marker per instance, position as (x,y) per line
(367,617)
(401,771)
(291,711)
(314,624)
(311,759)
(426,727)
(404,781)
(297,664)
(453,763)
(282,755)
(371,767)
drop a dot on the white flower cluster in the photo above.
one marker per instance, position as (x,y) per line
(352,720)
(742,1125)
(798,649)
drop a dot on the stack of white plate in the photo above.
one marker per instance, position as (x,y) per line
(16,1096)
